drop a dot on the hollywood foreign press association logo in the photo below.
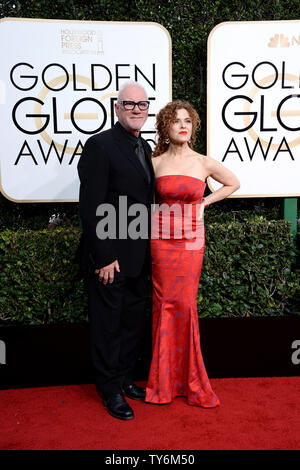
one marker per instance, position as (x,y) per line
(78,41)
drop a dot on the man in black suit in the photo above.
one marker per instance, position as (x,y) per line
(114,165)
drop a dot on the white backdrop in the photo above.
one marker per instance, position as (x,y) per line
(58,84)
(254,68)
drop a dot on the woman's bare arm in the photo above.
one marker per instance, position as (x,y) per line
(224,176)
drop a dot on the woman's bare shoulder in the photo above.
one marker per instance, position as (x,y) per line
(200,158)
(198,155)
(159,157)
(156,160)
(205,160)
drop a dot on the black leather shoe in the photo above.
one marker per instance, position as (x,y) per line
(134,392)
(118,407)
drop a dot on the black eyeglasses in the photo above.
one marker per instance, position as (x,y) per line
(130,105)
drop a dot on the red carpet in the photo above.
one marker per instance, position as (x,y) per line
(255,413)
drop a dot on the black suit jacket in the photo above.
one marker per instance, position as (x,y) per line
(109,168)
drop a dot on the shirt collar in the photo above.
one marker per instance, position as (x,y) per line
(132,138)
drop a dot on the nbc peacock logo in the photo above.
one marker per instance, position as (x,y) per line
(280,40)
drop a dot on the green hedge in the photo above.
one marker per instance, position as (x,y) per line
(39,282)
(248,271)
(248,267)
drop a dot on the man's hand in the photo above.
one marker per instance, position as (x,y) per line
(106,274)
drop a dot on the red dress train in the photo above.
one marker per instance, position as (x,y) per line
(177,248)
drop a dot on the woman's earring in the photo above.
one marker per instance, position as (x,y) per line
(167,141)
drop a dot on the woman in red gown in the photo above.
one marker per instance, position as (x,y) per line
(177,248)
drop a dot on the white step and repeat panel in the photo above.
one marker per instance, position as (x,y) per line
(253,105)
(59,82)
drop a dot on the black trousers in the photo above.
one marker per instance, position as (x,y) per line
(117,313)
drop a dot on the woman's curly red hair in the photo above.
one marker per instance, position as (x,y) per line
(164,119)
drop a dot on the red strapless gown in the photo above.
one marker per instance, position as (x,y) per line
(177,366)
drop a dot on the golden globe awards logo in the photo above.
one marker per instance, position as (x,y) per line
(57,93)
(254,105)
(46,89)
(48,96)
(242,106)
